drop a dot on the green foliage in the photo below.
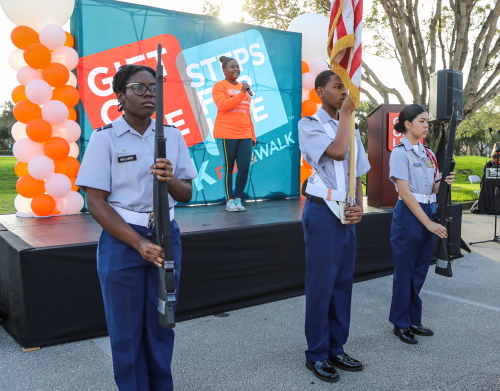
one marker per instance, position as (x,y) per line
(8,181)
(6,121)
(277,14)
(473,132)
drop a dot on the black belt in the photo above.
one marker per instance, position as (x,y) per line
(316,200)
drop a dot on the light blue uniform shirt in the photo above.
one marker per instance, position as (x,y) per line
(313,142)
(417,168)
(118,160)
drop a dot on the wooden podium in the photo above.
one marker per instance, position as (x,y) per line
(382,138)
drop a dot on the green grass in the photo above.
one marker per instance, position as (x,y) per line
(8,179)
(462,190)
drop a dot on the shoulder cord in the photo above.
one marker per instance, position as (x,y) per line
(433,159)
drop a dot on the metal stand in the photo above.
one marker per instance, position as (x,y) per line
(495,238)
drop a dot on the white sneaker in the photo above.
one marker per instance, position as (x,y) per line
(231,206)
(240,207)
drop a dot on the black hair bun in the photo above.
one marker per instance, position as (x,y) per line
(399,127)
(223,58)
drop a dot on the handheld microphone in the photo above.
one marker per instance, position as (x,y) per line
(249,90)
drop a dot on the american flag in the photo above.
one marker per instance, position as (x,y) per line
(344,44)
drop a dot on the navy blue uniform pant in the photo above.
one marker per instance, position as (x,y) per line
(142,349)
(239,150)
(412,246)
(330,258)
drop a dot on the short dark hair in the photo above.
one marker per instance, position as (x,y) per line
(409,113)
(125,72)
(225,60)
(323,78)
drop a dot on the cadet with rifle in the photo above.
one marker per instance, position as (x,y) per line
(414,171)
(117,173)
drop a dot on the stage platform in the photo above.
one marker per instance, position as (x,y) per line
(50,289)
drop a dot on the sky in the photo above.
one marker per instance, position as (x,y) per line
(388,71)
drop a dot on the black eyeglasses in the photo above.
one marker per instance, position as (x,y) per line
(140,89)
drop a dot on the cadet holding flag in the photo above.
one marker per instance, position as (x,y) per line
(328,224)
(117,175)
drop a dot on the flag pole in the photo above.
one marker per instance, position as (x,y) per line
(352,163)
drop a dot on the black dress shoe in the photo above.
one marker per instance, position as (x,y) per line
(343,361)
(421,330)
(405,335)
(323,370)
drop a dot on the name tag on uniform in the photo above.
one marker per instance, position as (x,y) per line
(129,158)
(417,164)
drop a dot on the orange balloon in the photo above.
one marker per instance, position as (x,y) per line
(25,111)
(37,56)
(18,94)
(71,113)
(313,95)
(56,148)
(73,186)
(23,36)
(43,205)
(308,108)
(30,187)
(69,95)
(55,74)
(39,130)
(305,67)
(70,41)
(21,169)
(68,166)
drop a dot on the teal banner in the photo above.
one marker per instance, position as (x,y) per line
(109,34)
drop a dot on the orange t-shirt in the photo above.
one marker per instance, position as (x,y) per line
(233,119)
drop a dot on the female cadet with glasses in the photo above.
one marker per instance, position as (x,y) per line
(233,130)
(117,175)
(414,171)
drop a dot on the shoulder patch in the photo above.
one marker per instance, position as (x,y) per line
(108,126)
(311,118)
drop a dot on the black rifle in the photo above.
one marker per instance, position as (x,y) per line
(161,213)
(444,255)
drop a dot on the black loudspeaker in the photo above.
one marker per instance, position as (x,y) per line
(445,87)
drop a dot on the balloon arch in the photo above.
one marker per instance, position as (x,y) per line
(46,132)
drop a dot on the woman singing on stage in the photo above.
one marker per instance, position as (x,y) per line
(414,171)
(233,130)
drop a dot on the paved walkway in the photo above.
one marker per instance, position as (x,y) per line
(261,348)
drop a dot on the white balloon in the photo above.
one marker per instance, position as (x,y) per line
(52,36)
(70,204)
(26,74)
(18,131)
(314,29)
(41,167)
(25,149)
(22,204)
(74,150)
(16,59)
(38,91)
(37,13)
(72,80)
(318,66)
(68,130)
(66,56)
(55,112)
(58,186)
(305,95)
(308,80)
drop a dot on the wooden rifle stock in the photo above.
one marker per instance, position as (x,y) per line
(161,209)
(444,256)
